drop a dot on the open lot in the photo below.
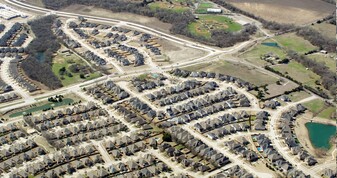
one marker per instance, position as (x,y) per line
(293,42)
(249,74)
(298,96)
(286,11)
(206,23)
(174,52)
(298,72)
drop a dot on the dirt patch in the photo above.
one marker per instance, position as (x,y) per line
(286,11)
(148,21)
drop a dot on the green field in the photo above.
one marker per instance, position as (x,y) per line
(319,109)
(249,74)
(293,42)
(66,101)
(61,61)
(202,8)
(326,59)
(259,50)
(206,23)
(298,72)
(165,5)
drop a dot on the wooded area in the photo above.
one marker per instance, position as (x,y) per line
(38,64)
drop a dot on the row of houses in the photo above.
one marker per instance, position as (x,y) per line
(200,108)
(19,78)
(139,58)
(83,132)
(286,129)
(9,133)
(269,152)
(148,84)
(178,97)
(145,166)
(20,40)
(198,147)
(108,92)
(64,120)
(177,89)
(7,38)
(8,97)
(261,120)
(242,150)
(19,152)
(116,55)
(230,79)
(94,58)
(183,159)
(81,33)
(65,161)
(132,117)
(235,171)
(68,41)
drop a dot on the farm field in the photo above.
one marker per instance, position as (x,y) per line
(327,59)
(293,42)
(286,11)
(62,61)
(202,7)
(326,29)
(206,23)
(256,52)
(298,72)
(250,74)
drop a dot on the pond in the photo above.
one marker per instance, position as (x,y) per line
(270,44)
(41,57)
(320,134)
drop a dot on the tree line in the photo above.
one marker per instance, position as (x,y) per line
(38,64)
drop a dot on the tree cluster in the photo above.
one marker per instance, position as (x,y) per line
(46,44)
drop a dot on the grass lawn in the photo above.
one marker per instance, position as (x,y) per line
(202,8)
(66,101)
(315,106)
(165,5)
(319,109)
(298,72)
(327,113)
(293,42)
(259,50)
(297,96)
(326,59)
(249,74)
(206,23)
(61,61)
